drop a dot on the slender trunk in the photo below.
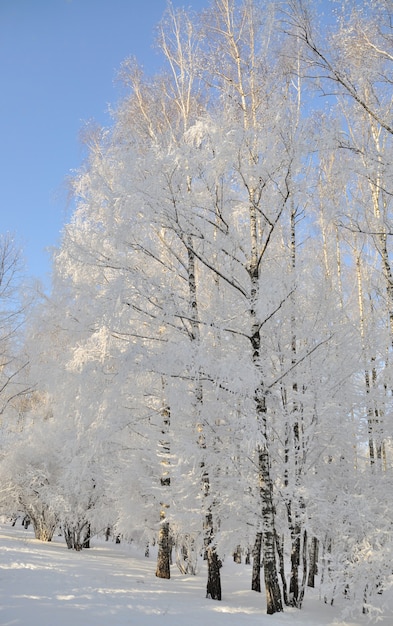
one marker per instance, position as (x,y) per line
(304,577)
(294,450)
(68,536)
(313,562)
(380,203)
(272,587)
(213,589)
(237,555)
(295,560)
(247,558)
(281,560)
(256,564)
(186,557)
(163,569)
(326,566)
(375,443)
(86,540)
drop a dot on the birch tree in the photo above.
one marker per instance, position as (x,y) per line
(242,94)
(13,363)
(223,307)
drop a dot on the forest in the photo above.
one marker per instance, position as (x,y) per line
(211,372)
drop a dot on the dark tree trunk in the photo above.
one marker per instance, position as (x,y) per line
(256,564)
(213,588)
(304,577)
(237,555)
(247,558)
(295,561)
(69,537)
(313,562)
(86,541)
(76,535)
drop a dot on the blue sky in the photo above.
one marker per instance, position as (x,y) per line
(58,64)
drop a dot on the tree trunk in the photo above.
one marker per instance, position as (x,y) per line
(86,540)
(163,569)
(256,564)
(43,532)
(213,588)
(164,552)
(237,555)
(44,524)
(304,577)
(73,534)
(186,558)
(272,587)
(313,562)
(68,536)
(280,552)
(295,562)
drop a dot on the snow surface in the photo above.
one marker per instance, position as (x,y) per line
(45,584)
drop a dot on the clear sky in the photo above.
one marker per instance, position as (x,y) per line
(58,65)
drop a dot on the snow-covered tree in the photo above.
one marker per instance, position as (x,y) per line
(213,365)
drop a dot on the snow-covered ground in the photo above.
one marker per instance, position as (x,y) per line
(110,584)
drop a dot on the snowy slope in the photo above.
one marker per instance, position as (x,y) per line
(48,585)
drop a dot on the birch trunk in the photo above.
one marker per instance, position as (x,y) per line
(256,564)
(272,587)
(164,551)
(213,589)
(163,569)
(313,562)
(268,533)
